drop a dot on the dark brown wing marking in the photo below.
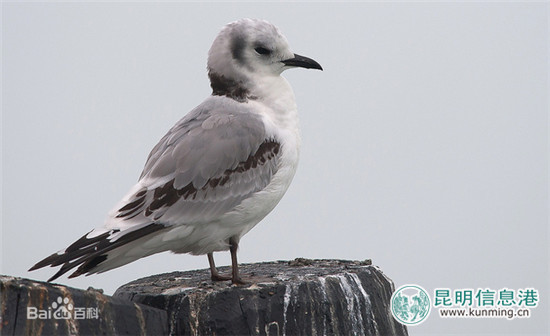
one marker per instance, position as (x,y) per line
(167,195)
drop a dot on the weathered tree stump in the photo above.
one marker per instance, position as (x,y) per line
(301,297)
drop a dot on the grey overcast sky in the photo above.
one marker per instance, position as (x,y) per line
(425,140)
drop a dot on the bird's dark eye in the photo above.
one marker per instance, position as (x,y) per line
(262,51)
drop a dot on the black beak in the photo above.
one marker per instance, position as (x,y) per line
(302,62)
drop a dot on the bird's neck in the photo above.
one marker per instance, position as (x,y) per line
(276,100)
(274,93)
(266,88)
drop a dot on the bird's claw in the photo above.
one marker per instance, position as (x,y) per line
(239,281)
(218,277)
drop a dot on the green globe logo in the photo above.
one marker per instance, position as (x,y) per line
(410,304)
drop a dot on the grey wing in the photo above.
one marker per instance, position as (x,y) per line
(207,164)
(203,167)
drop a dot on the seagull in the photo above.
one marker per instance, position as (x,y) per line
(217,172)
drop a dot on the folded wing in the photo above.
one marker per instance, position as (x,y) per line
(208,163)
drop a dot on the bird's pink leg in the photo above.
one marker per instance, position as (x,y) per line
(236,278)
(214,275)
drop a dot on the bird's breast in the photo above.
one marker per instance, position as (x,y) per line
(253,209)
(282,127)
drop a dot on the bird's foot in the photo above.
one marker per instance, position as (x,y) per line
(239,281)
(234,280)
(219,277)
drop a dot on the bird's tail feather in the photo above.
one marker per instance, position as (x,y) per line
(89,253)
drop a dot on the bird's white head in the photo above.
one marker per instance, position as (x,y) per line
(247,50)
